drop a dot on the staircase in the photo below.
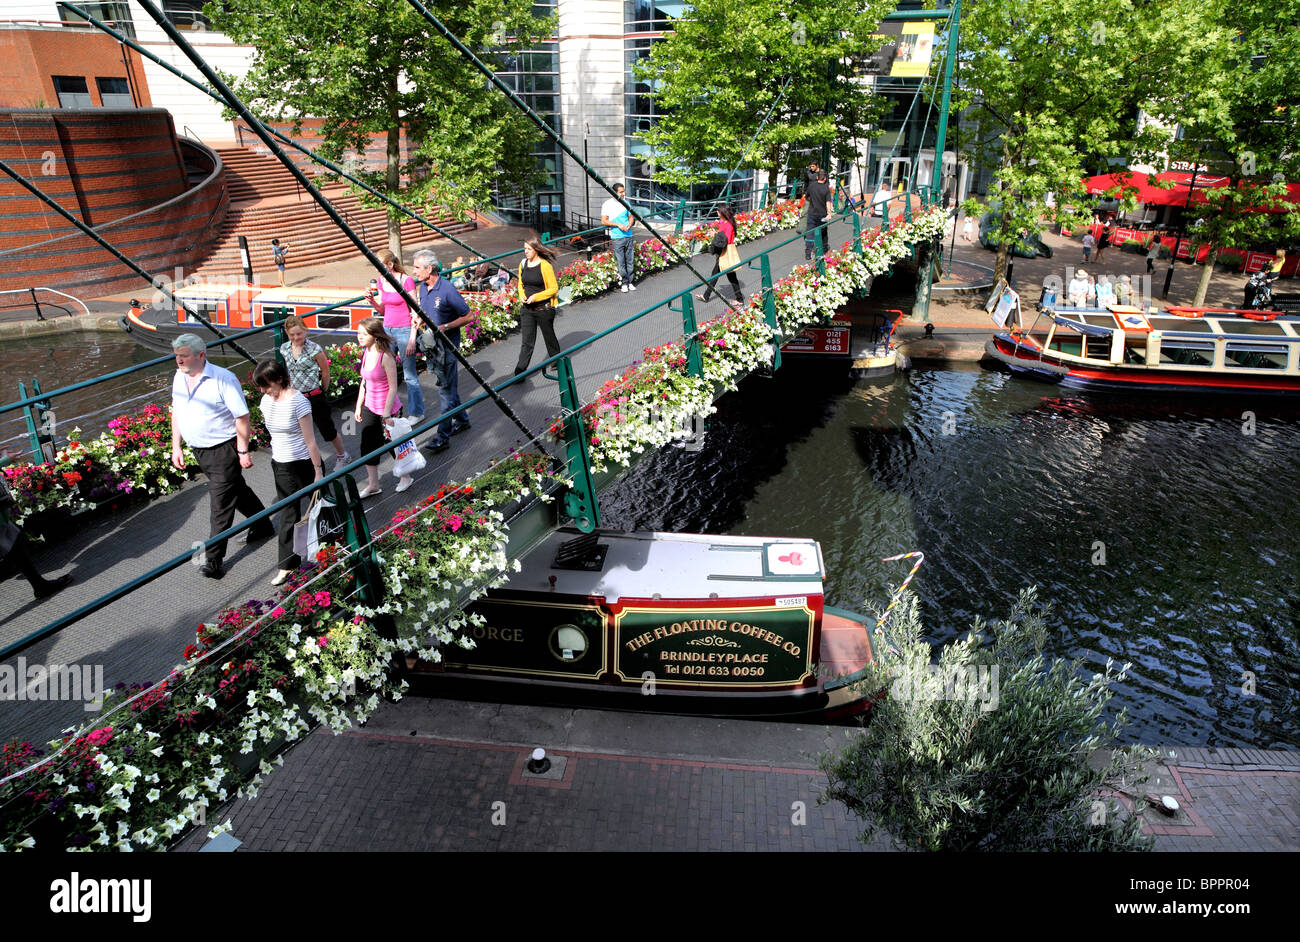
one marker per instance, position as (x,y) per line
(251,176)
(267,203)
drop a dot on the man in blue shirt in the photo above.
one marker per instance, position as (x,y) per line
(615,214)
(210,414)
(443,305)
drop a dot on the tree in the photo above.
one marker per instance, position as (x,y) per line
(726,64)
(1055,89)
(364,68)
(991,749)
(1252,137)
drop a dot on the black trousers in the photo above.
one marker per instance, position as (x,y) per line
(731,276)
(322,415)
(810,235)
(227,492)
(290,477)
(530,319)
(372,434)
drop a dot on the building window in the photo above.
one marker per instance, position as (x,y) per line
(186,14)
(116,15)
(72,92)
(115,93)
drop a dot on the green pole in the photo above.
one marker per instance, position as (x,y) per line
(769,307)
(580,501)
(364,565)
(942,134)
(694,362)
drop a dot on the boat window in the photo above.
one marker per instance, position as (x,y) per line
(1186,325)
(1187,352)
(568,643)
(334,320)
(1255,356)
(1097,320)
(1098,348)
(212,311)
(1067,344)
(1252,327)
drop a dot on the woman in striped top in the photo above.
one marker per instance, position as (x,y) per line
(295,459)
(309,373)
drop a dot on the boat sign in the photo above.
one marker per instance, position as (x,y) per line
(795,602)
(724,647)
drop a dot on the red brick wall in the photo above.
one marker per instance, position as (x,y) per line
(120,171)
(30,58)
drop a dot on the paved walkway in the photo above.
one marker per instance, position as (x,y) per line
(140,638)
(428,774)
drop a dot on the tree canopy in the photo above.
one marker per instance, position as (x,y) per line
(365,68)
(726,64)
(1054,90)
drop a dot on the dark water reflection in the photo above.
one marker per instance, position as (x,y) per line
(1162,532)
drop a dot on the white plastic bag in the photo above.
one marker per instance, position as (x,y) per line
(406,457)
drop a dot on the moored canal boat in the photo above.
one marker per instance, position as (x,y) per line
(667,622)
(1184,350)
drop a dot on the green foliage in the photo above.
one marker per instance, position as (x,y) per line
(992,749)
(366,68)
(1054,89)
(724,67)
(1251,135)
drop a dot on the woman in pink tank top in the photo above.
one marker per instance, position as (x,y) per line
(397,324)
(377,398)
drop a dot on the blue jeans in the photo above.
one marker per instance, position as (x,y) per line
(414,394)
(625,256)
(446,367)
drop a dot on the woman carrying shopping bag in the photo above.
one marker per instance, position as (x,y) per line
(295,459)
(727,257)
(377,398)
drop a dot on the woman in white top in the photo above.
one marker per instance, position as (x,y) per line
(295,459)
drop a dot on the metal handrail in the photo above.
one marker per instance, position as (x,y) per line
(36,288)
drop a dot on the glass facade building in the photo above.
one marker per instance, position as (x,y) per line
(534,75)
(646,21)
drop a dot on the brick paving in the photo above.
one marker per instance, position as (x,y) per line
(636,782)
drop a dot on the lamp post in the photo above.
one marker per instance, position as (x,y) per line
(1178,239)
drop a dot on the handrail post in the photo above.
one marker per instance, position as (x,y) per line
(857,235)
(907,207)
(769,307)
(37,303)
(819,237)
(580,501)
(276,317)
(38,434)
(690,331)
(681,216)
(365,567)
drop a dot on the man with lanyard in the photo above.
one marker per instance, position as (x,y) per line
(614,214)
(818,195)
(444,306)
(210,414)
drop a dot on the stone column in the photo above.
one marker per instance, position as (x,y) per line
(591,97)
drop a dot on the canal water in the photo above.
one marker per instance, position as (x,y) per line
(1166,534)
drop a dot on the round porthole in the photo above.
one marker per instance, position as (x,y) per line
(568,643)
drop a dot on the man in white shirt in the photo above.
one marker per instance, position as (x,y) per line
(880,202)
(209,413)
(615,215)
(1077,290)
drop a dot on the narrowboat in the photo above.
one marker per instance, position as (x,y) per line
(862,340)
(1180,349)
(665,622)
(236,307)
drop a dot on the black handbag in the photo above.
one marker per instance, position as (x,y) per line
(719,243)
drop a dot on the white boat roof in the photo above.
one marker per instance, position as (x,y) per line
(684,566)
(308,295)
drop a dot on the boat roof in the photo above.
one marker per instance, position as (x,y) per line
(684,566)
(308,295)
(1222,321)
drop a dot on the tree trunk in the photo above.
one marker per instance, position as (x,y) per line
(1203,285)
(393,181)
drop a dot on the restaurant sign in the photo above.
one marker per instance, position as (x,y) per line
(717,647)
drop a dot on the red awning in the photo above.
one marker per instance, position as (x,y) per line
(1176,195)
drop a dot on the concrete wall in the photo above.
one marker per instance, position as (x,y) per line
(591,96)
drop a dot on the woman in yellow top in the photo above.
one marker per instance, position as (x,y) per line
(537,289)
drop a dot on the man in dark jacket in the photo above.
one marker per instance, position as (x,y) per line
(818,196)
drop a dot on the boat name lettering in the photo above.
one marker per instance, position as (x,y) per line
(712,624)
(497,634)
(712,657)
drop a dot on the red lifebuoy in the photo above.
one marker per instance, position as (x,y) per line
(1259,315)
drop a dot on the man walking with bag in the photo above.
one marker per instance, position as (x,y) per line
(818,194)
(444,306)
